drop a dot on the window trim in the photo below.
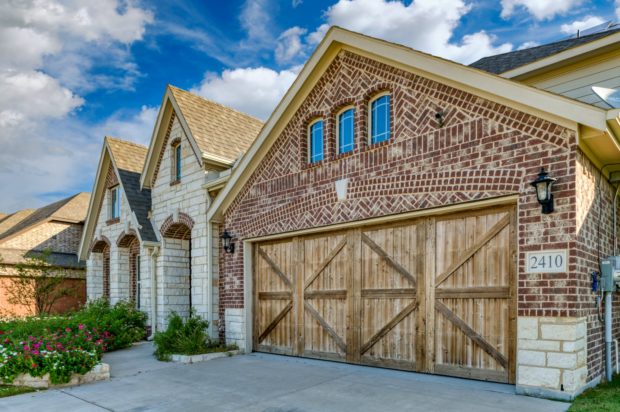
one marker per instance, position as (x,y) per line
(374,98)
(338,113)
(309,140)
(115,191)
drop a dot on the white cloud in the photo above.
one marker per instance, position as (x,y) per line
(528,44)
(49,49)
(255,91)
(289,44)
(426,25)
(137,127)
(585,23)
(539,9)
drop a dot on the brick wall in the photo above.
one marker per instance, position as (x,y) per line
(483,150)
(595,240)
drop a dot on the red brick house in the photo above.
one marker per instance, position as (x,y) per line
(385,216)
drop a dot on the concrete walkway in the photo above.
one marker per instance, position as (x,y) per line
(269,383)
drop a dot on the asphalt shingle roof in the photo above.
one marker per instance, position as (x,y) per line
(129,159)
(504,62)
(65,260)
(217,129)
(72,209)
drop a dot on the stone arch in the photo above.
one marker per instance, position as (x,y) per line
(129,254)
(179,229)
(177,264)
(102,265)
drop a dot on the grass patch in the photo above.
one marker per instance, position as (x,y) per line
(603,398)
(13,390)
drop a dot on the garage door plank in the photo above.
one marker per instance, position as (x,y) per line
(494,231)
(316,315)
(326,262)
(472,334)
(389,326)
(275,322)
(275,267)
(389,259)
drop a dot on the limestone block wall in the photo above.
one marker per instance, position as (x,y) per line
(169,199)
(235,327)
(551,356)
(119,257)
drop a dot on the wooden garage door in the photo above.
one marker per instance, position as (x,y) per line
(432,295)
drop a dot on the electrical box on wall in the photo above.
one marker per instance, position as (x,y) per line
(610,274)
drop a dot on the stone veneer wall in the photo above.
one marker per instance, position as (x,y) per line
(119,256)
(551,356)
(170,199)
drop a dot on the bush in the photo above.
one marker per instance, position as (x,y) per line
(185,338)
(70,344)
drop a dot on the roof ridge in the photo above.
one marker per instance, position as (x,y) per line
(216,103)
(128,142)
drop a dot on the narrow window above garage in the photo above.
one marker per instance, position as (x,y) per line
(380,124)
(115,203)
(315,131)
(345,130)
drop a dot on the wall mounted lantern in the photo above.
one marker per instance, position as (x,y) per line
(227,242)
(543,184)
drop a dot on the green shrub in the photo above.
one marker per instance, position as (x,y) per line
(185,338)
(62,345)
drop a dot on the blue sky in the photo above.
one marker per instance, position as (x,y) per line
(72,71)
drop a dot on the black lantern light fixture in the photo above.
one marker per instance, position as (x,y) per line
(227,242)
(543,184)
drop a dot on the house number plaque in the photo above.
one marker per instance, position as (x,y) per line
(547,261)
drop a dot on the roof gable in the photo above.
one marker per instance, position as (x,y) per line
(546,105)
(216,133)
(126,160)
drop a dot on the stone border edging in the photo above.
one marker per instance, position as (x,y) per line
(188,359)
(100,372)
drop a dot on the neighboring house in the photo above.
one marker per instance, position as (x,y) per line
(56,228)
(384,214)
(194,144)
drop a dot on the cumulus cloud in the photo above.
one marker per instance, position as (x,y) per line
(528,45)
(585,23)
(539,9)
(289,44)
(426,25)
(137,127)
(255,91)
(49,48)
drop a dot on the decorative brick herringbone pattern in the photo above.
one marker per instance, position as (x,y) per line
(482,150)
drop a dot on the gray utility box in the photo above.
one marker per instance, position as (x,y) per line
(610,273)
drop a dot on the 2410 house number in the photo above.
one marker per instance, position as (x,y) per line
(548,261)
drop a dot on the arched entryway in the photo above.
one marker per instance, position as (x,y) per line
(129,265)
(176,265)
(100,257)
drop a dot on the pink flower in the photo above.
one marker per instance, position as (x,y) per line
(68,330)
(26,347)
(80,327)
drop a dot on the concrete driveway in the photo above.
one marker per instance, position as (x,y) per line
(260,382)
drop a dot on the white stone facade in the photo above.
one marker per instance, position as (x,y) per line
(551,356)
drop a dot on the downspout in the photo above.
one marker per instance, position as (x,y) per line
(210,277)
(609,299)
(154,255)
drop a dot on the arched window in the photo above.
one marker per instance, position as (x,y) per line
(315,141)
(345,120)
(380,124)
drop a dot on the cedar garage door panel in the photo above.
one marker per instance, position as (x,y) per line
(432,295)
